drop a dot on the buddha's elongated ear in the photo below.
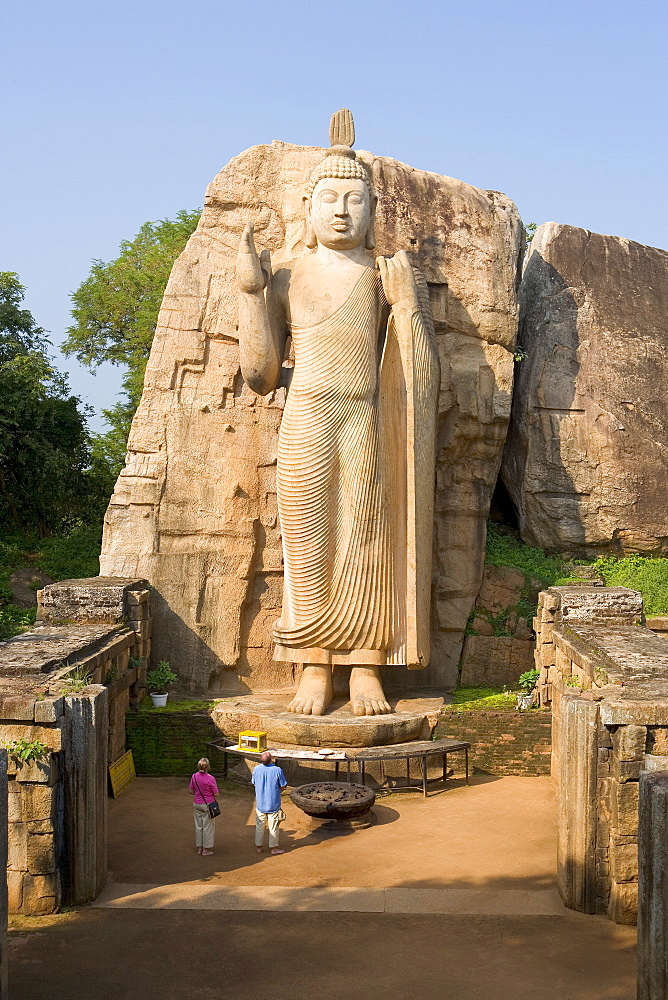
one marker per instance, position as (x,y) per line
(309,233)
(370,239)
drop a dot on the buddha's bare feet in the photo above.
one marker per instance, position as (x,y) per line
(366,692)
(315,691)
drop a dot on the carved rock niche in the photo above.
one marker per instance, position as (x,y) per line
(194,510)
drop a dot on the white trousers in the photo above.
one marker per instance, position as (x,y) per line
(269,820)
(205,827)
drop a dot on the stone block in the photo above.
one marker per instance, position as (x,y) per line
(38,802)
(49,710)
(17,847)
(41,894)
(657,740)
(40,826)
(15,890)
(138,612)
(17,707)
(137,597)
(625,807)
(578,724)
(96,600)
(605,737)
(50,736)
(40,853)
(623,903)
(653,888)
(14,810)
(626,770)
(624,862)
(654,763)
(143,629)
(629,742)
(46,772)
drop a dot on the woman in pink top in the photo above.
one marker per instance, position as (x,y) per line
(203,786)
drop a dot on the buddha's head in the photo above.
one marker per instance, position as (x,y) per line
(340,203)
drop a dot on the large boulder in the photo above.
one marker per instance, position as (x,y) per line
(194,510)
(586,461)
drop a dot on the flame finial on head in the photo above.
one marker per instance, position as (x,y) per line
(340,160)
(342,129)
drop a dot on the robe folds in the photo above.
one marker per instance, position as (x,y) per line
(361,405)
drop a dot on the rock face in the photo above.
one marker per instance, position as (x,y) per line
(194,510)
(586,459)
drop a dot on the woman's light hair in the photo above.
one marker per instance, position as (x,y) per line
(203,764)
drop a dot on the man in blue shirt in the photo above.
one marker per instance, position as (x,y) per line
(268,779)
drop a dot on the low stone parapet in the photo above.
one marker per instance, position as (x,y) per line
(605,675)
(65,687)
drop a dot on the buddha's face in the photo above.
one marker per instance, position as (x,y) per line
(340,212)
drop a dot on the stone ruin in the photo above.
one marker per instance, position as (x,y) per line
(68,684)
(194,513)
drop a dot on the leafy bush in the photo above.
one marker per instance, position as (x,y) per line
(28,750)
(72,556)
(643,573)
(160,679)
(527,680)
(14,620)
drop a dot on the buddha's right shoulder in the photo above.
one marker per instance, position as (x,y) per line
(287,271)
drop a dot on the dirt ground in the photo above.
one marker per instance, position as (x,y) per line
(486,847)
(500,831)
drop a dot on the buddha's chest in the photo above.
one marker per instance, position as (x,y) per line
(318,295)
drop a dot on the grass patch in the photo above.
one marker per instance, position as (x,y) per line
(505,549)
(644,573)
(74,556)
(177,705)
(470,698)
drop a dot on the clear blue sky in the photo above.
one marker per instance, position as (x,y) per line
(119,113)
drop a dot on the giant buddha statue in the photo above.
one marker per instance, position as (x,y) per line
(356,450)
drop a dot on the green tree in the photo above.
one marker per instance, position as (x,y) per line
(530,229)
(115,311)
(19,333)
(44,456)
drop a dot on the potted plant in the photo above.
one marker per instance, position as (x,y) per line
(526,682)
(158,681)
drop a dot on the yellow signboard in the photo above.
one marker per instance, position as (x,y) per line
(122,773)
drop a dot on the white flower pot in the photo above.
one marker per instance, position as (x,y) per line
(159,700)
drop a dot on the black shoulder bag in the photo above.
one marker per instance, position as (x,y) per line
(213,807)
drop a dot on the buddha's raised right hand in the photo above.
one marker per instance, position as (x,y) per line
(252,271)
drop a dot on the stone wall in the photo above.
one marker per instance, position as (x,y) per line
(502,743)
(606,677)
(68,685)
(194,510)
(170,743)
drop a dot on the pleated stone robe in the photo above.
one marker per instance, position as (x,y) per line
(355,474)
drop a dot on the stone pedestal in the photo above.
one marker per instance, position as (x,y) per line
(653,887)
(412,719)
